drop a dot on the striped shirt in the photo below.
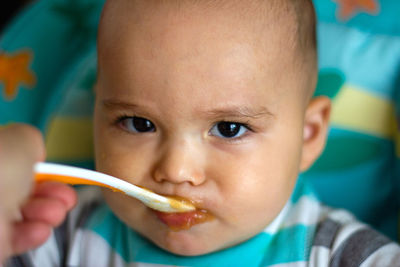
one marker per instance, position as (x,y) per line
(305,233)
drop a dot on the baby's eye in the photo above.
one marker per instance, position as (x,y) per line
(226,129)
(137,124)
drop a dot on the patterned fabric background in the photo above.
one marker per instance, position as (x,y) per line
(359,57)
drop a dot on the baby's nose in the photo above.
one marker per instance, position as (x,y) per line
(180,161)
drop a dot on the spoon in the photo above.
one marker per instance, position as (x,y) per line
(73,175)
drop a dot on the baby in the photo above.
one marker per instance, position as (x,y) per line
(210,101)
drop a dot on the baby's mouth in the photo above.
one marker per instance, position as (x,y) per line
(183,220)
(177,221)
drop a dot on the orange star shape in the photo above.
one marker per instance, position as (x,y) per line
(14,71)
(349,8)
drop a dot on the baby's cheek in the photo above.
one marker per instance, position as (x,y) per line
(257,211)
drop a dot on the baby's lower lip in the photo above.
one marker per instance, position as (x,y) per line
(183,220)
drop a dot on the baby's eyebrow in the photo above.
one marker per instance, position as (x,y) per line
(114,104)
(247,112)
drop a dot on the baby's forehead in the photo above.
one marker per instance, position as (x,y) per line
(259,22)
(200,26)
(260,14)
(275,26)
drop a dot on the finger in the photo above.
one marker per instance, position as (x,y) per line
(51,211)
(21,141)
(20,147)
(29,235)
(4,240)
(63,192)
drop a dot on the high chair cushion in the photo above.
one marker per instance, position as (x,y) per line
(359,61)
(48,53)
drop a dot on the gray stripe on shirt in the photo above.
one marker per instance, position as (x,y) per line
(358,247)
(22,260)
(326,233)
(61,235)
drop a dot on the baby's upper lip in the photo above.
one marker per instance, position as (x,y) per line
(199,203)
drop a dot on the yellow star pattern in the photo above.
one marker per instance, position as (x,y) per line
(14,71)
(349,8)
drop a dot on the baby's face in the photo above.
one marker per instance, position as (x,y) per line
(196,108)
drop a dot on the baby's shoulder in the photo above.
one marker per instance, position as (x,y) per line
(341,240)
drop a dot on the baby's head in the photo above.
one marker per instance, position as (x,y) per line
(208,100)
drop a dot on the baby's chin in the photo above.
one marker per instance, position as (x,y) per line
(199,240)
(173,234)
(184,244)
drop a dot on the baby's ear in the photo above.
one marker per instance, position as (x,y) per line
(316,124)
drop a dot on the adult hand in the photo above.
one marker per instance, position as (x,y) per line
(28,212)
